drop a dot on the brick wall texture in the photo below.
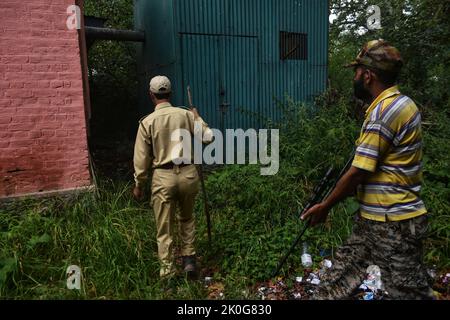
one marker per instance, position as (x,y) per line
(43,143)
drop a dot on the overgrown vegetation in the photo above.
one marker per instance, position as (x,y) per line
(113,79)
(255,218)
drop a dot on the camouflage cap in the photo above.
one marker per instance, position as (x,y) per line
(379,54)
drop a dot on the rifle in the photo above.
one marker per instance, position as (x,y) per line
(320,193)
(202,180)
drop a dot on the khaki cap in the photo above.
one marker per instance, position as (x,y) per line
(160,84)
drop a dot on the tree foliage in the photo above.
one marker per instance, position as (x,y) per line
(420,29)
(113,72)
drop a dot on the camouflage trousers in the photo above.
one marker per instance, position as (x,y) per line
(396,247)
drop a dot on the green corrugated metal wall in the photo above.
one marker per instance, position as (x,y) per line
(228,52)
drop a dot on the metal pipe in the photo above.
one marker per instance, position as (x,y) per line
(95,33)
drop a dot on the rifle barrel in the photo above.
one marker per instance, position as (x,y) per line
(320,192)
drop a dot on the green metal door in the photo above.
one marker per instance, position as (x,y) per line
(240,78)
(201,71)
(223,74)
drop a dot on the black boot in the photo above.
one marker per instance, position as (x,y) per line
(190,266)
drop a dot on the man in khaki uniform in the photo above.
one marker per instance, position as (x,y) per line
(173,185)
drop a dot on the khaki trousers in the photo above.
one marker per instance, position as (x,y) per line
(172,188)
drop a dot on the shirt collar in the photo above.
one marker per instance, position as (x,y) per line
(392,91)
(163,105)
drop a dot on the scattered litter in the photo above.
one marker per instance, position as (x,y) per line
(306,257)
(446,278)
(273,291)
(208,280)
(327,263)
(368,296)
(374,276)
(280,283)
(297,296)
(325,253)
(432,272)
(441,286)
(372,286)
(313,279)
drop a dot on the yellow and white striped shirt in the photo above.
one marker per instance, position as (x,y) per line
(390,147)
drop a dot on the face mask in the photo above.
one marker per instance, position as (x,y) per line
(360,91)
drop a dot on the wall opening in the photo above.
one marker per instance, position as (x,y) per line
(293,46)
(113,86)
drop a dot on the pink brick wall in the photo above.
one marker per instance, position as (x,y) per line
(43,144)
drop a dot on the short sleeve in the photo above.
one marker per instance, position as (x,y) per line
(376,138)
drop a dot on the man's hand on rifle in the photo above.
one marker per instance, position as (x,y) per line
(317,214)
(345,187)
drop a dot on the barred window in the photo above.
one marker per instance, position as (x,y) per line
(293,46)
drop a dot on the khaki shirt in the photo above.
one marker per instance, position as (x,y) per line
(154,146)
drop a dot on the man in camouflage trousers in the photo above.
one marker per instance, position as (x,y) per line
(386,173)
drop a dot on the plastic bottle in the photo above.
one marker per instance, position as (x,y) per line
(306,257)
(374,277)
(368,296)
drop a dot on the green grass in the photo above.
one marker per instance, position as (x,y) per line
(112,238)
(255,218)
